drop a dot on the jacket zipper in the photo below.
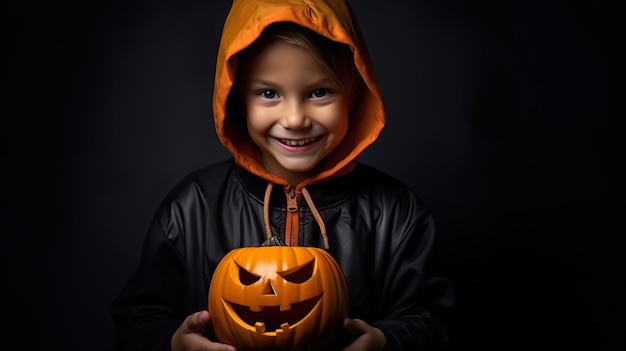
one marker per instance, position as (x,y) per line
(292,222)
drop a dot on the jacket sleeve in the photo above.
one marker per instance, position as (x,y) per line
(413,301)
(148,310)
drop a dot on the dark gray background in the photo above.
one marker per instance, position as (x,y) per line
(506,117)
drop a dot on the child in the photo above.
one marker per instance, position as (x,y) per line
(295,102)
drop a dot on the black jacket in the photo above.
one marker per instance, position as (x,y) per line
(379,232)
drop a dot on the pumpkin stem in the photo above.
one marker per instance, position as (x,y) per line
(273,241)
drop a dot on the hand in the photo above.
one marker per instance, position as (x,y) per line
(367,338)
(189,337)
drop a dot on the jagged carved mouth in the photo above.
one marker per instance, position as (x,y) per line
(271,318)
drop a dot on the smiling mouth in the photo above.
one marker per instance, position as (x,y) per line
(271,318)
(298,142)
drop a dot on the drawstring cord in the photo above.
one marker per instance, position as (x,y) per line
(266,210)
(317,216)
(309,201)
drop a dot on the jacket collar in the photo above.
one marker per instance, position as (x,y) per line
(324,194)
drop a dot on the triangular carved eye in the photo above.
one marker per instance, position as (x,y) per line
(247,278)
(299,275)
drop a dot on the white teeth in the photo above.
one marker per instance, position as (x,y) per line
(300,142)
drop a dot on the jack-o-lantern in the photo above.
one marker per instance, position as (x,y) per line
(277,298)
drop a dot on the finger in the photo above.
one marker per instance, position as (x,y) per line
(203,318)
(355,326)
(196,321)
(220,347)
(200,343)
(190,334)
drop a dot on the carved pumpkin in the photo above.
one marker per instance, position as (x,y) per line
(277,298)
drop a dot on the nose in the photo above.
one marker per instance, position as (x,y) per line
(269,289)
(295,116)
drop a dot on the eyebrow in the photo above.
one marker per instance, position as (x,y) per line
(261,82)
(323,81)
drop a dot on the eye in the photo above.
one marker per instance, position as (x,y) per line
(247,278)
(267,94)
(300,274)
(319,93)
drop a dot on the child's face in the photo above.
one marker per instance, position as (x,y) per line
(295,112)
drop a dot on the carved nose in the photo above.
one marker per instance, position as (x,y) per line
(268,290)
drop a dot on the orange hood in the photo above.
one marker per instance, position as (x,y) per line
(330,18)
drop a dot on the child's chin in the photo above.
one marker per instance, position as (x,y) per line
(301,170)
